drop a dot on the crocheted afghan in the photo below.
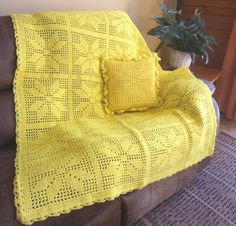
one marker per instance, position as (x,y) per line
(70,154)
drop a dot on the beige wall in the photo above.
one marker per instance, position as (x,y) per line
(171,3)
(139,10)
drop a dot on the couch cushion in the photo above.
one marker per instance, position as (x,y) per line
(146,199)
(7,117)
(134,204)
(103,214)
(7,53)
(130,84)
(154,194)
(7,169)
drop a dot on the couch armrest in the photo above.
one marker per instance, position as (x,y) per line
(180,87)
(210,85)
(217,110)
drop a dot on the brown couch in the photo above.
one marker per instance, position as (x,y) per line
(124,210)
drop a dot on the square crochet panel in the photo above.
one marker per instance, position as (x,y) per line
(130,84)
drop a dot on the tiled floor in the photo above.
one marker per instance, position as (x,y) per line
(227,126)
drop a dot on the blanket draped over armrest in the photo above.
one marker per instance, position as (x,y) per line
(70,154)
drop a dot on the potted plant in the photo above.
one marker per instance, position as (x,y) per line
(184,37)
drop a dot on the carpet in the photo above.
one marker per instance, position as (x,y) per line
(209,200)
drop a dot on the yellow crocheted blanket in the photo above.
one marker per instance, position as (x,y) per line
(70,154)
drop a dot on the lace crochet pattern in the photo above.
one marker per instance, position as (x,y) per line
(130,84)
(70,154)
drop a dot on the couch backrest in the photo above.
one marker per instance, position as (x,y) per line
(124,39)
(7,70)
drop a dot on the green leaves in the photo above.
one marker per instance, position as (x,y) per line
(162,21)
(181,34)
(170,11)
(156,31)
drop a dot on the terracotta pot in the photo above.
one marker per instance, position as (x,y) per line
(178,59)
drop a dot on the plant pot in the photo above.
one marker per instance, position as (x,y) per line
(178,59)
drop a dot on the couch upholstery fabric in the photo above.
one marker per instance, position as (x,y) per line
(122,211)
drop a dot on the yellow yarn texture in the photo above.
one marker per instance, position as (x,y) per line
(70,153)
(130,84)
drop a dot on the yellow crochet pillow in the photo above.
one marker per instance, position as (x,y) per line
(130,84)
